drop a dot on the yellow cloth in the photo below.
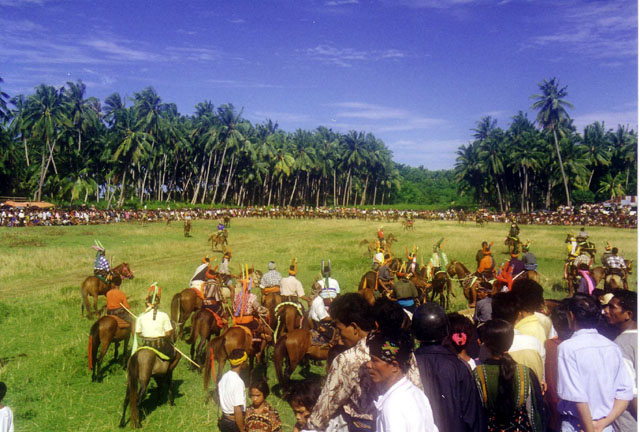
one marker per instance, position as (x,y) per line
(158,353)
(531,326)
(531,359)
(546,323)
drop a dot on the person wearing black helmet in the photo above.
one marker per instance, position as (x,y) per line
(448,382)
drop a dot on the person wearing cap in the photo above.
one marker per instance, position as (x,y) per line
(447,380)
(529,259)
(401,405)
(231,392)
(291,288)
(270,281)
(154,326)
(200,275)
(405,291)
(621,312)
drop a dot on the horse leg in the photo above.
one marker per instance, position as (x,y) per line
(104,347)
(95,304)
(116,345)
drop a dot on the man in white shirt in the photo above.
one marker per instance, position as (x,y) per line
(231,391)
(319,314)
(402,407)
(6,415)
(154,326)
(327,282)
(291,288)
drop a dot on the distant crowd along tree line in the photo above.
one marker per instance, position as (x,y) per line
(60,145)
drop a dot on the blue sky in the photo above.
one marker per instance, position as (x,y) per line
(418,74)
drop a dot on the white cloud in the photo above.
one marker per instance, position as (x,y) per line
(380,119)
(611,119)
(334,3)
(239,84)
(433,154)
(346,57)
(280,116)
(120,52)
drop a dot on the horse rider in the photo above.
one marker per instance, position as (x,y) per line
(378,260)
(380,235)
(480,253)
(438,260)
(101,266)
(319,314)
(606,254)
(516,264)
(220,225)
(529,259)
(291,288)
(582,235)
(385,276)
(487,265)
(247,310)
(154,326)
(201,275)
(405,291)
(225,271)
(327,282)
(116,304)
(270,282)
(573,251)
(514,231)
(413,260)
(615,265)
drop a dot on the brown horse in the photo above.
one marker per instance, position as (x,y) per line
(295,346)
(288,318)
(219,348)
(441,287)
(94,286)
(203,325)
(270,301)
(457,271)
(102,333)
(598,273)
(142,366)
(183,304)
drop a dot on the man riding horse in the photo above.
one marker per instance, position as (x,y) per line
(201,275)
(270,282)
(529,259)
(291,288)
(486,270)
(101,268)
(615,266)
(438,260)
(385,277)
(154,327)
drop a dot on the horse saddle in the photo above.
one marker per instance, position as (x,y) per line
(121,323)
(221,322)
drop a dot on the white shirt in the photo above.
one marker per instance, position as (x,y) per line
(6,420)
(334,286)
(290,286)
(318,311)
(150,328)
(198,270)
(231,392)
(404,407)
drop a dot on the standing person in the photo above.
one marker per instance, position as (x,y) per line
(529,298)
(593,383)
(529,259)
(231,392)
(302,399)
(291,288)
(447,380)
(482,312)
(510,391)
(462,334)
(6,415)
(405,291)
(621,312)
(401,406)
(261,416)
(270,281)
(327,282)
(560,320)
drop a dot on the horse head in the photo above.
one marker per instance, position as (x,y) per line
(125,271)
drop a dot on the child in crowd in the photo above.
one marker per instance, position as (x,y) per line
(6,415)
(461,335)
(302,399)
(231,391)
(261,416)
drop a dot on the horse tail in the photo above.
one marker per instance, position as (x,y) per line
(209,371)
(132,390)
(94,343)
(175,309)
(279,352)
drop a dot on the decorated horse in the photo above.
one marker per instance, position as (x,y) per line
(408,225)
(599,273)
(204,323)
(441,287)
(467,280)
(143,365)
(295,346)
(107,329)
(218,239)
(289,316)
(183,304)
(95,286)
(370,281)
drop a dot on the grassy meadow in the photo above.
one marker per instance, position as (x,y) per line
(43,342)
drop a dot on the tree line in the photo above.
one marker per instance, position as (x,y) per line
(59,144)
(526,167)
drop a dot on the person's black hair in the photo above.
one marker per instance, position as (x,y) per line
(561,320)
(305,393)
(598,293)
(614,251)
(628,301)
(529,295)
(389,315)
(504,307)
(3,390)
(353,308)
(586,310)
(400,338)
(497,335)
(262,386)
(459,324)
(236,354)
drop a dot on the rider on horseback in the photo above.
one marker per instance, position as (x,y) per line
(154,326)
(615,264)
(380,235)
(385,276)
(101,266)
(405,291)
(514,231)
(116,304)
(529,259)
(412,259)
(201,275)
(438,260)
(607,253)
(270,282)
(291,288)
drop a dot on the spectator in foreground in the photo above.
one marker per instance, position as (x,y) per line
(302,400)
(461,336)
(6,415)
(593,383)
(231,391)
(401,405)
(261,416)
(510,392)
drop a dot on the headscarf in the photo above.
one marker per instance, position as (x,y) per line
(391,347)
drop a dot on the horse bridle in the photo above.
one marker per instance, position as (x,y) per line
(125,273)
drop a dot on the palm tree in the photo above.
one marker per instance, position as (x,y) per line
(79,112)
(227,134)
(596,140)
(4,109)
(18,125)
(551,113)
(612,186)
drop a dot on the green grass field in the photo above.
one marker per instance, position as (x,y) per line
(43,343)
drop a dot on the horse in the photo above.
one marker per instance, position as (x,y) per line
(219,348)
(218,239)
(512,243)
(203,325)
(441,286)
(187,228)
(94,286)
(408,225)
(288,318)
(457,271)
(183,304)
(143,365)
(294,347)
(598,273)
(104,331)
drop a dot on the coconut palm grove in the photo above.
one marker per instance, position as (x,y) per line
(61,145)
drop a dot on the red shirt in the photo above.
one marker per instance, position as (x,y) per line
(115,297)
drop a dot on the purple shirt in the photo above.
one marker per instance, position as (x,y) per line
(591,369)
